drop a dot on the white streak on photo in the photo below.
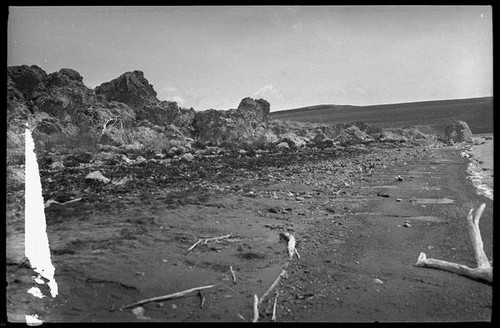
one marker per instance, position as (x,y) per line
(32,320)
(36,240)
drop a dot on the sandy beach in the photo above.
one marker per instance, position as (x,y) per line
(359,232)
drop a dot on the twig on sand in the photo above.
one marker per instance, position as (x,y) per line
(296,253)
(241,317)
(206,240)
(275,283)
(202,299)
(255,308)
(166,297)
(233,274)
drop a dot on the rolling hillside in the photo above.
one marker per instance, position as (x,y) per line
(477,112)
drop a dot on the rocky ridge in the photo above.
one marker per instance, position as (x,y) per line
(124,115)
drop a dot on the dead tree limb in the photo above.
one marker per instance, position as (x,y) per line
(291,243)
(255,308)
(206,240)
(273,318)
(166,297)
(274,284)
(483,271)
(233,274)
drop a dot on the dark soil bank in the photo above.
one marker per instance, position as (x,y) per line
(359,231)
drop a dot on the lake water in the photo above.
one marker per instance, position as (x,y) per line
(480,168)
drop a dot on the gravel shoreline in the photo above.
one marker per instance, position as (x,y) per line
(356,214)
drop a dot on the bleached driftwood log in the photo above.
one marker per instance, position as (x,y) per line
(273,285)
(206,240)
(483,271)
(273,318)
(291,244)
(166,297)
(233,274)
(255,308)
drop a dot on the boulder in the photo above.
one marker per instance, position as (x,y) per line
(66,77)
(130,88)
(251,109)
(368,129)
(166,113)
(15,178)
(187,157)
(234,126)
(282,145)
(389,136)
(353,135)
(457,131)
(412,133)
(294,141)
(29,80)
(97,176)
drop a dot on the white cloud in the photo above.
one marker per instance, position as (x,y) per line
(178,99)
(268,91)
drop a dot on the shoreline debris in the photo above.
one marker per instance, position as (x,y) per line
(166,297)
(484,270)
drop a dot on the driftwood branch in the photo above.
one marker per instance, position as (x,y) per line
(216,238)
(166,297)
(291,243)
(273,318)
(233,274)
(255,308)
(483,271)
(195,244)
(52,201)
(206,240)
(274,284)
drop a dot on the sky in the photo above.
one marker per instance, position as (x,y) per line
(292,56)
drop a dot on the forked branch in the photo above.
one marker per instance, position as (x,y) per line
(483,271)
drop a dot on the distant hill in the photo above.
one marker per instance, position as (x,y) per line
(477,112)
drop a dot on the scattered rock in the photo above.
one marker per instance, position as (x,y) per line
(353,135)
(282,145)
(390,136)
(187,157)
(57,165)
(97,176)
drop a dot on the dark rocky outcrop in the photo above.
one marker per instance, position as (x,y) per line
(126,113)
(457,131)
(28,80)
(130,88)
(246,123)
